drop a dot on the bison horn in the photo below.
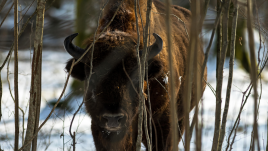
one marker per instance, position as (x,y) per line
(72,49)
(155,48)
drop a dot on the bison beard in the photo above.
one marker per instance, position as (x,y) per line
(111,99)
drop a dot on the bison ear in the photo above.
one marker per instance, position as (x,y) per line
(155,68)
(78,71)
(155,48)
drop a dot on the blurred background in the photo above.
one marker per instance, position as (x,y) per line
(64,17)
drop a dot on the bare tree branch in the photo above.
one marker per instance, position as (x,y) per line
(220,75)
(198,78)
(35,92)
(10,91)
(216,24)
(6,15)
(189,69)
(2,4)
(1,92)
(253,71)
(12,46)
(54,107)
(16,91)
(140,115)
(230,79)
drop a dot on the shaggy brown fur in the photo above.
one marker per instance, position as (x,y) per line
(110,90)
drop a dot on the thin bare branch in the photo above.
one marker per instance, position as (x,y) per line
(253,71)
(173,107)
(54,107)
(220,75)
(16,91)
(10,91)
(27,10)
(189,69)
(73,141)
(6,15)
(35,92)
(70,128)
(217,21)
(230,79)
(1,92)
(149,102)
(12,46)
(143,60)
(140,115)
(197,79)
(2,4)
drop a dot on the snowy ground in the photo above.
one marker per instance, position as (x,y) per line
(53,78)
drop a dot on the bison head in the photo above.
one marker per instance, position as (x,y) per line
(110,97)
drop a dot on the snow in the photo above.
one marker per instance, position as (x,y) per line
(53,79)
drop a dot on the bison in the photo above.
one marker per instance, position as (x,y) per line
(110,98)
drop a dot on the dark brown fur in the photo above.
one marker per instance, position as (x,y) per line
(110,90)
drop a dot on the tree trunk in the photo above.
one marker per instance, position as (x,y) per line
(35,92)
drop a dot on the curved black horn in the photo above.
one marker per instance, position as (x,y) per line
(155,48)
(72,49)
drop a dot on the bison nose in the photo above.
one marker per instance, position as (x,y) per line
(113,120)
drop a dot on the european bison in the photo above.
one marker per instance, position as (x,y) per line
(111,99)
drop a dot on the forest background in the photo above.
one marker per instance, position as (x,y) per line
(64,17)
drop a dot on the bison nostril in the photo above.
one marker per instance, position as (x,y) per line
(113,120)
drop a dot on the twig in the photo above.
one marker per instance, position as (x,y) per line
(133,86)
(27,10)
(1,92)
(16,92)
(21,31)
(6,15)
(70,128)
(10,91)
(173,103)
(267,135)
(203,16)
(62,93)
(150,108)
(244,101)
(217,20)
(230,79)
(93,45)
(233,138)
(73,142)
(193,47)
(12,46)
(2,4)
(257,12)
(142,72)
(220,76)
(253,70)
(140,115)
